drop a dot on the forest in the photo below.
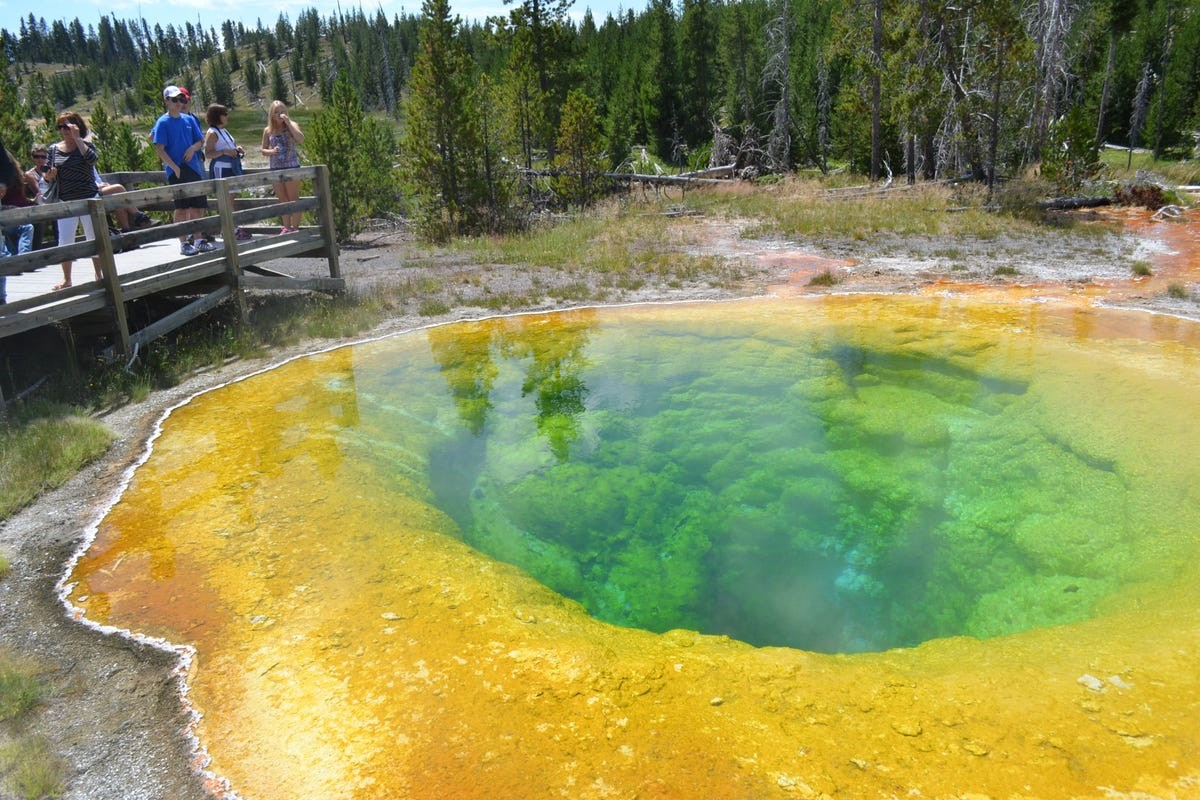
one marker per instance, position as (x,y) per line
(925,89)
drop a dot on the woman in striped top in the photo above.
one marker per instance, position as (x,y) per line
(69,165)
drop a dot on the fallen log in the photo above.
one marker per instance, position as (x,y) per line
(1069,203)
(687,178)
(671,180)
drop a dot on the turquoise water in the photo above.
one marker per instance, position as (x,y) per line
(815,487)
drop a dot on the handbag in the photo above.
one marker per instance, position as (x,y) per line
(51,193)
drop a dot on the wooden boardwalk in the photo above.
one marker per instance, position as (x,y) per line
(156,265)
(35,284)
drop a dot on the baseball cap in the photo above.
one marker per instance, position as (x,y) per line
(172,91)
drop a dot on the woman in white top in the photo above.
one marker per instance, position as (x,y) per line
(223,154)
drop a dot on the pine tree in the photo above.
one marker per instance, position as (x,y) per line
(441,134)
(279,88)
(496,178)
(580,150)
(549,46)
(222,86)
(13,130)
(660,87)
(253,81)
(525,100)
(698,69)
(359,151)
(152,77)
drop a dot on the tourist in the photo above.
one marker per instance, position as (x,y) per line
(17,238)
(70,176)
(223,153)
(178,142)
(128,217)
(38,153)
(279,141)
(9,179)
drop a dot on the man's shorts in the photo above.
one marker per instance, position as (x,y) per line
(187,175)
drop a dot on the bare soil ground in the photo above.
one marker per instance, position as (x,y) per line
(114,712)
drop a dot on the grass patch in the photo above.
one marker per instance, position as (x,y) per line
(20,691)
(45,453)
(809,209)
(575,293)
(825,278)
(433,308)
(1141,269)
(1006,270)
(32,770)
(605,242)
(1174,290)
(5,566)
(1184,171)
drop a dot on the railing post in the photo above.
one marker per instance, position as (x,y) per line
(325,214)
(108,272)
(233,264)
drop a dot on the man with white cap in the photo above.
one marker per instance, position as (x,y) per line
(178,141)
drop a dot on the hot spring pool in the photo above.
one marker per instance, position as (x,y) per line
(855,544)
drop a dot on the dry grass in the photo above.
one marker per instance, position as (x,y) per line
(805,208)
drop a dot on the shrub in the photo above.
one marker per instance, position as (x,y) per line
(825,278)
(1072,156)
(35,771)
(19,690)
(359,151)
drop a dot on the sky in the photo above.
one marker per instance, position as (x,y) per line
(211,13)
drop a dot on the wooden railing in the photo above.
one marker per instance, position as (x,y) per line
(225,267)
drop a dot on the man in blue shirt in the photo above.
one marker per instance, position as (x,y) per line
(178,141)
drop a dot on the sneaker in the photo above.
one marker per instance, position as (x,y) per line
(242,235)
(205,246)
(188,249)
(284,229)
(293,230)
(143,220)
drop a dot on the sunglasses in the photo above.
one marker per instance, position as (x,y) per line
(39,158)
(179,100)
(64,127)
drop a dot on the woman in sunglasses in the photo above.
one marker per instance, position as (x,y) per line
(69,166)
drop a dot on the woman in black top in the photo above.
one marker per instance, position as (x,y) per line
(70,165)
